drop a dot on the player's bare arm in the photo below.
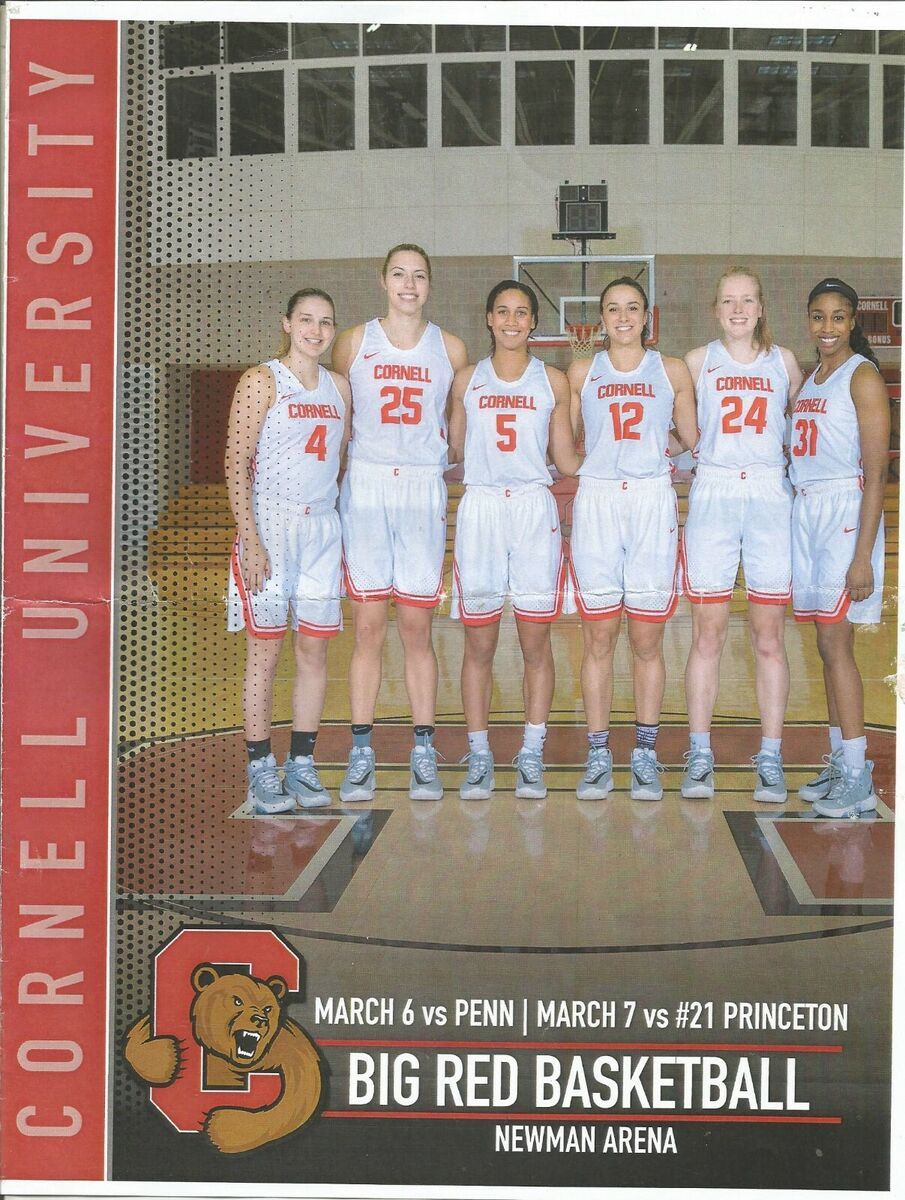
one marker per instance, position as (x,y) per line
(562,450)
(871,402)
(796,378)
(458,358)
(253,397)
(345,390)
(461,380)
(345,348)
(684,411)
(577,375)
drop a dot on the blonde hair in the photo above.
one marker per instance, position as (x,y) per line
(762,335)
(406,246)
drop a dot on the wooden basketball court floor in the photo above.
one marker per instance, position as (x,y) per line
(557,899)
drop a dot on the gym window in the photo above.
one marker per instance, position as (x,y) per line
(544,103)
(693,102)
(619,102)
(471,104)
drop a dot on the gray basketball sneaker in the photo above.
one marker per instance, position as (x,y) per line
(301,780)
(771,782)
(479,781)
(360,778)
(697,778)
(852,794)
(424,783)
(821,785)
(265,789)
(598,776)
(529,775)
(646,772)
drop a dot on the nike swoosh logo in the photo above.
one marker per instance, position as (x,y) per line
(673,530)
(852,530)
(710,370)
(373,354)
(476,387)
(594,378)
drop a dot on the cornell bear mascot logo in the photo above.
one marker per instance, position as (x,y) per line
(222,1056)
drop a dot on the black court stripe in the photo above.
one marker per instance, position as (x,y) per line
(322,935)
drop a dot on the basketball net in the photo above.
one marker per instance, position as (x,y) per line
(582,338)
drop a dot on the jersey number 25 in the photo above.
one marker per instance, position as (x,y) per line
(401,407)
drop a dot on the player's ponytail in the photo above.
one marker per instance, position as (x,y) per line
(859,343)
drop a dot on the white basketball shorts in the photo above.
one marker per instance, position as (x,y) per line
(738,516)
(508,543)
(394,533)
(625,548)
(825,519)
(305,550)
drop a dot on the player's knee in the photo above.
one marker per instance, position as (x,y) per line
(600,640)
(769,644)
(834,642)
(310,652)
(710,640)
(415,633)
(646,643)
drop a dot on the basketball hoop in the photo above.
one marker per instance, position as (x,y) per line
(582,338)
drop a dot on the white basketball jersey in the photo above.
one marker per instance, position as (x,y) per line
(399,400)
(826,442)
(626,416)
(508,426)
(297,455)
(741,409)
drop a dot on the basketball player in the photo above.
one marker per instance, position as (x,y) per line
(839,459)
(288,427)
(508,411)
(625,526)
(393,507)
(739,509)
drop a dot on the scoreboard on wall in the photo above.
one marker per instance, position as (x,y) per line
(881,319)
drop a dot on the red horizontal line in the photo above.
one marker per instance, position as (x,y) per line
(415,1044)
(671,1118)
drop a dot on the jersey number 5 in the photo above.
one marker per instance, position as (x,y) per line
(755,417)
(505,427)
(401,407)
(806,446)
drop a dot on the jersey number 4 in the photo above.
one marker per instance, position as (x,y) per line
(317,443)
(755,418)
(401,407)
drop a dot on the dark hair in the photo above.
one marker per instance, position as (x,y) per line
(626,281)
(508,285)
(405,246)
(857,338)
(303,294)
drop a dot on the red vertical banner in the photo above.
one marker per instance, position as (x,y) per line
(58,587)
